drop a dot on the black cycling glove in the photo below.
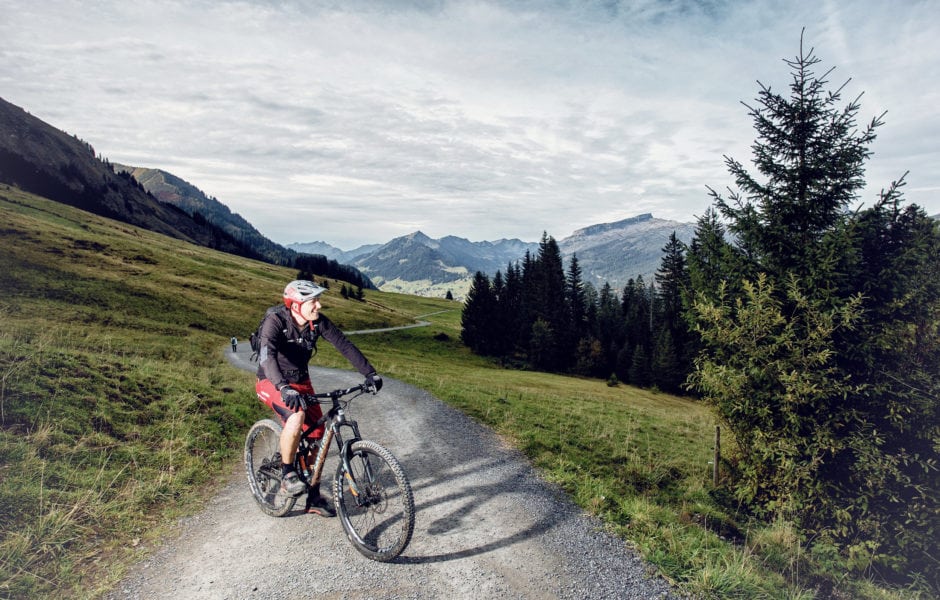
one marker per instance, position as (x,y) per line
(291,398)
(373,383)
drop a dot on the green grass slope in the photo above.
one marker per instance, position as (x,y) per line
(115,398)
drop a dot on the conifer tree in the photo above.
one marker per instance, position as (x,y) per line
(821,345)
(511,308)
(639,372)
(542,346)
(610,327)
(710,255)
(501,335)
(672,350)
(667,371)
(637,315)
(544,283)
(476,331)
(577,303)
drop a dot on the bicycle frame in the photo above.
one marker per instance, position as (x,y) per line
(337,419)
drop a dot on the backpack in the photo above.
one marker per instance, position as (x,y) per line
(255,339)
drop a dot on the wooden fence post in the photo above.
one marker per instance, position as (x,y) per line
(717,456)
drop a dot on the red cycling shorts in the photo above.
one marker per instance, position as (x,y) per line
(269,395)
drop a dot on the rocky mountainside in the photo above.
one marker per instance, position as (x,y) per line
(418,264)
(417,257)
(617,252)
(332,252)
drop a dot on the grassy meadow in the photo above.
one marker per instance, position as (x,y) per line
(115,396)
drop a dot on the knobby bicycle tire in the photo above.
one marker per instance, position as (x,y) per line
(263,467)
(376,505)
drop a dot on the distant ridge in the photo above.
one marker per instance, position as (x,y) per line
(617,252)
(171,189)
(38,158)
(592,230)
(417,264)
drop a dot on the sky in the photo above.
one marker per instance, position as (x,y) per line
(354,122)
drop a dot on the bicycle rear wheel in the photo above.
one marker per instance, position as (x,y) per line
(374,502)
(263,467)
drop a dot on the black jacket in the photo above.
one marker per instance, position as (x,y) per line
(286,348)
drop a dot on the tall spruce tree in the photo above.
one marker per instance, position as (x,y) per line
(710,255)
(476,328)
(811,158)
(545,298)
(610,327)
(501,337)
(637,307)
(672,359)
(577,302)
(817,348)
(511,307)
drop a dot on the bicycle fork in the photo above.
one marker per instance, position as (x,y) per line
(362,496)
(345,446)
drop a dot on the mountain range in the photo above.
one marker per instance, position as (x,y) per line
(417,264)
(41,159)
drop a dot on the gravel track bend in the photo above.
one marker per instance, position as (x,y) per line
(487,526)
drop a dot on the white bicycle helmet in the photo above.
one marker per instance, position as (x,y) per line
(301,290)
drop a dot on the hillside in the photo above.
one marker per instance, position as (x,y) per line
(170,189)
(41,159)
(115,396)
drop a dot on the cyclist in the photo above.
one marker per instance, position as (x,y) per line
(288,338)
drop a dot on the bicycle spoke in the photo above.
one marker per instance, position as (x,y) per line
(263,467)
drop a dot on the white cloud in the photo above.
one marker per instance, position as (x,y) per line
(482,119)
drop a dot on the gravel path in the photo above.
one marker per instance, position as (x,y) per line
(487,526)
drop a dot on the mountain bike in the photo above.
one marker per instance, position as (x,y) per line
(371,493)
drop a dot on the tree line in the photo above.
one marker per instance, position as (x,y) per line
(546,317)
(810,324)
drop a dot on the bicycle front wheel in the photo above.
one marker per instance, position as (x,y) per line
(374,502)
(263,467)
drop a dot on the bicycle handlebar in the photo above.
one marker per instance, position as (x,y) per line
(339,393)
(336,394)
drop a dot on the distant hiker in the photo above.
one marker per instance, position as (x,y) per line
(234,344)
(287,339)
(253,344)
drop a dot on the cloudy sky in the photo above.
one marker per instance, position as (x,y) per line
(353,121)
